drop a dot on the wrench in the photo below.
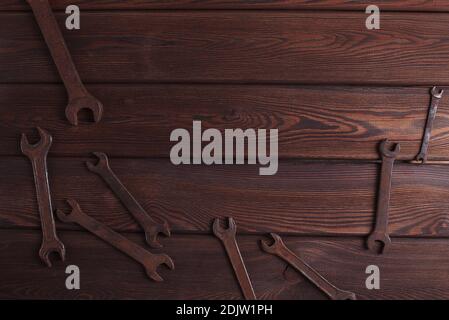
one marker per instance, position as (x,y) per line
(149,225)
(380,232)
(37,154)
(79,97)
(227,236)
(149,260)
(436,96)
(279,249)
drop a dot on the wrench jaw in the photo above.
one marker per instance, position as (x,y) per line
(436,93)
(275,247)
(51,246)
(87,102)
(164,228)
(69,217)
(102,166)
(389,150)
(43,144)
(151,234)
(222,233)
(420,158)
(378,242)
(150,268)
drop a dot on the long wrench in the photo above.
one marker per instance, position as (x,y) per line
(79,97)
(279,249)
(227,236)
(37,154)
(436,96)
(148,224)
(380,233)
(149,260)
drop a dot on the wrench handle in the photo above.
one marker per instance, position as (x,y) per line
(127,199)
(233,251)
(310,273)
(422,156)
(115,239)
(39,165)
(58,48)
(383,201)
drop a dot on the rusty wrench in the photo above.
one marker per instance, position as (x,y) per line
(380,232)
(279,249)
(436,96)
(149,225)
(37,154)
(227,236)
(79,97)
(149,260)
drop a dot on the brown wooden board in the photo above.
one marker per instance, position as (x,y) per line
(307,198)
(235,46)
(413,269)
(313,122)
(385,5)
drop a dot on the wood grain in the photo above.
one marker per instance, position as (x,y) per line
(313,122)
(202,270)
(312,47)
(306,198)
(413,269)
(385,5)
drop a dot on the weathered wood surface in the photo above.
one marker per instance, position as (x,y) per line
(159,70)
(313,47)
(385,5)
(308,198)
(313,122)
(413,269)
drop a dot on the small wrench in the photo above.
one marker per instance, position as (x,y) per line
(279,249)
(37,154)
(79,97)
(149,260)
(149,225)
(380,232)
(227,236)
(436,96)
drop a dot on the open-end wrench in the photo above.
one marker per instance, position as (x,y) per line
(436,96)
(151,227)
(279,249)
(227,236)
(149,260)
(37,154)
(379,236)
(79,97)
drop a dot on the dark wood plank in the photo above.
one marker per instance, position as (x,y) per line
(236,46)
(385,5)
(202,270)
(413,269)
(313,122)
(308,198)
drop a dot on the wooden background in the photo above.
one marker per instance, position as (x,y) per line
(310,68)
